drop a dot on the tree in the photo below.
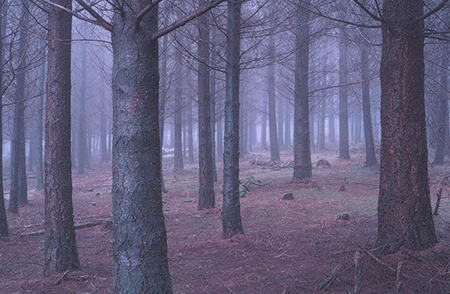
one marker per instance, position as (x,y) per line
(4,231)
(404,207)
(273,136)
(231,206)
(371,158)
(18,192)
(178,111)
(302,151)
(60,248)
(40,129)
(442,108)
(344,152)
(82,150)
(206,193)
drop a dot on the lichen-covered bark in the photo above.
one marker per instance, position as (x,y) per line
(302,149)
(206,197)
(139,233)
(231,206)
(371,158)
(404,208)
(60,247)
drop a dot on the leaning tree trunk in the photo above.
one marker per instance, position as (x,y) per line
(231,206)
(60,247)
(371,158)
(344,152)
(302,148)
(404,208)
(206,196)
(4,231)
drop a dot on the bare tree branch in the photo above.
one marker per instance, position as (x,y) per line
(144,12)
(366,10)
(432,11)
(97,16)
(185,19)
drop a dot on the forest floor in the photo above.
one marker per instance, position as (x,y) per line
(289,246)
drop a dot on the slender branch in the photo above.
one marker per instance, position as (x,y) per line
(97,16)
(368,11)
(185,19)
(318,13)
(432,11)
(72,13)
(144,12)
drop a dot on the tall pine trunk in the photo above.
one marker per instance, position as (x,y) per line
(206,197)
(302,149)
(404,206)
(139,233)
(344,151)
(231,206)
(60,246)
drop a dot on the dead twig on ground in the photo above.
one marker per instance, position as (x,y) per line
(60,279)
(79,226)
(329,280)
(380,261)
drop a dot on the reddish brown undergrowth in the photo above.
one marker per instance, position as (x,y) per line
(290,246)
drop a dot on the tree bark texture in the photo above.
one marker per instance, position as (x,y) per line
(371,158)
(302,148)
(404,208)
(139,233)
(4,230)
(60,247)
(344,151)
(206,195)
(231,206)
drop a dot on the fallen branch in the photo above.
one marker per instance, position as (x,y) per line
(380,261)
(79,226)
(326,284)
(397,280)
(438,201)
(60,279)
(21,262)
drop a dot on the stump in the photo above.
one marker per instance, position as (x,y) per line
(288,196)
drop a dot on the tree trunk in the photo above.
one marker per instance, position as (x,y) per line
(287,127)
(231,206)
(178,117)
(404,207)
(321,128)
(139,233)
(40,129)
(82,146)
(162,103)
(371,158)
(274,150)
(213,122)
(442,109)
(219,139)
(264,125)
(206,196)
(103,138)
(331,128)
(280,124)
(344,152)
(4,231)
(302,150)
(60,247)
(190,133)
